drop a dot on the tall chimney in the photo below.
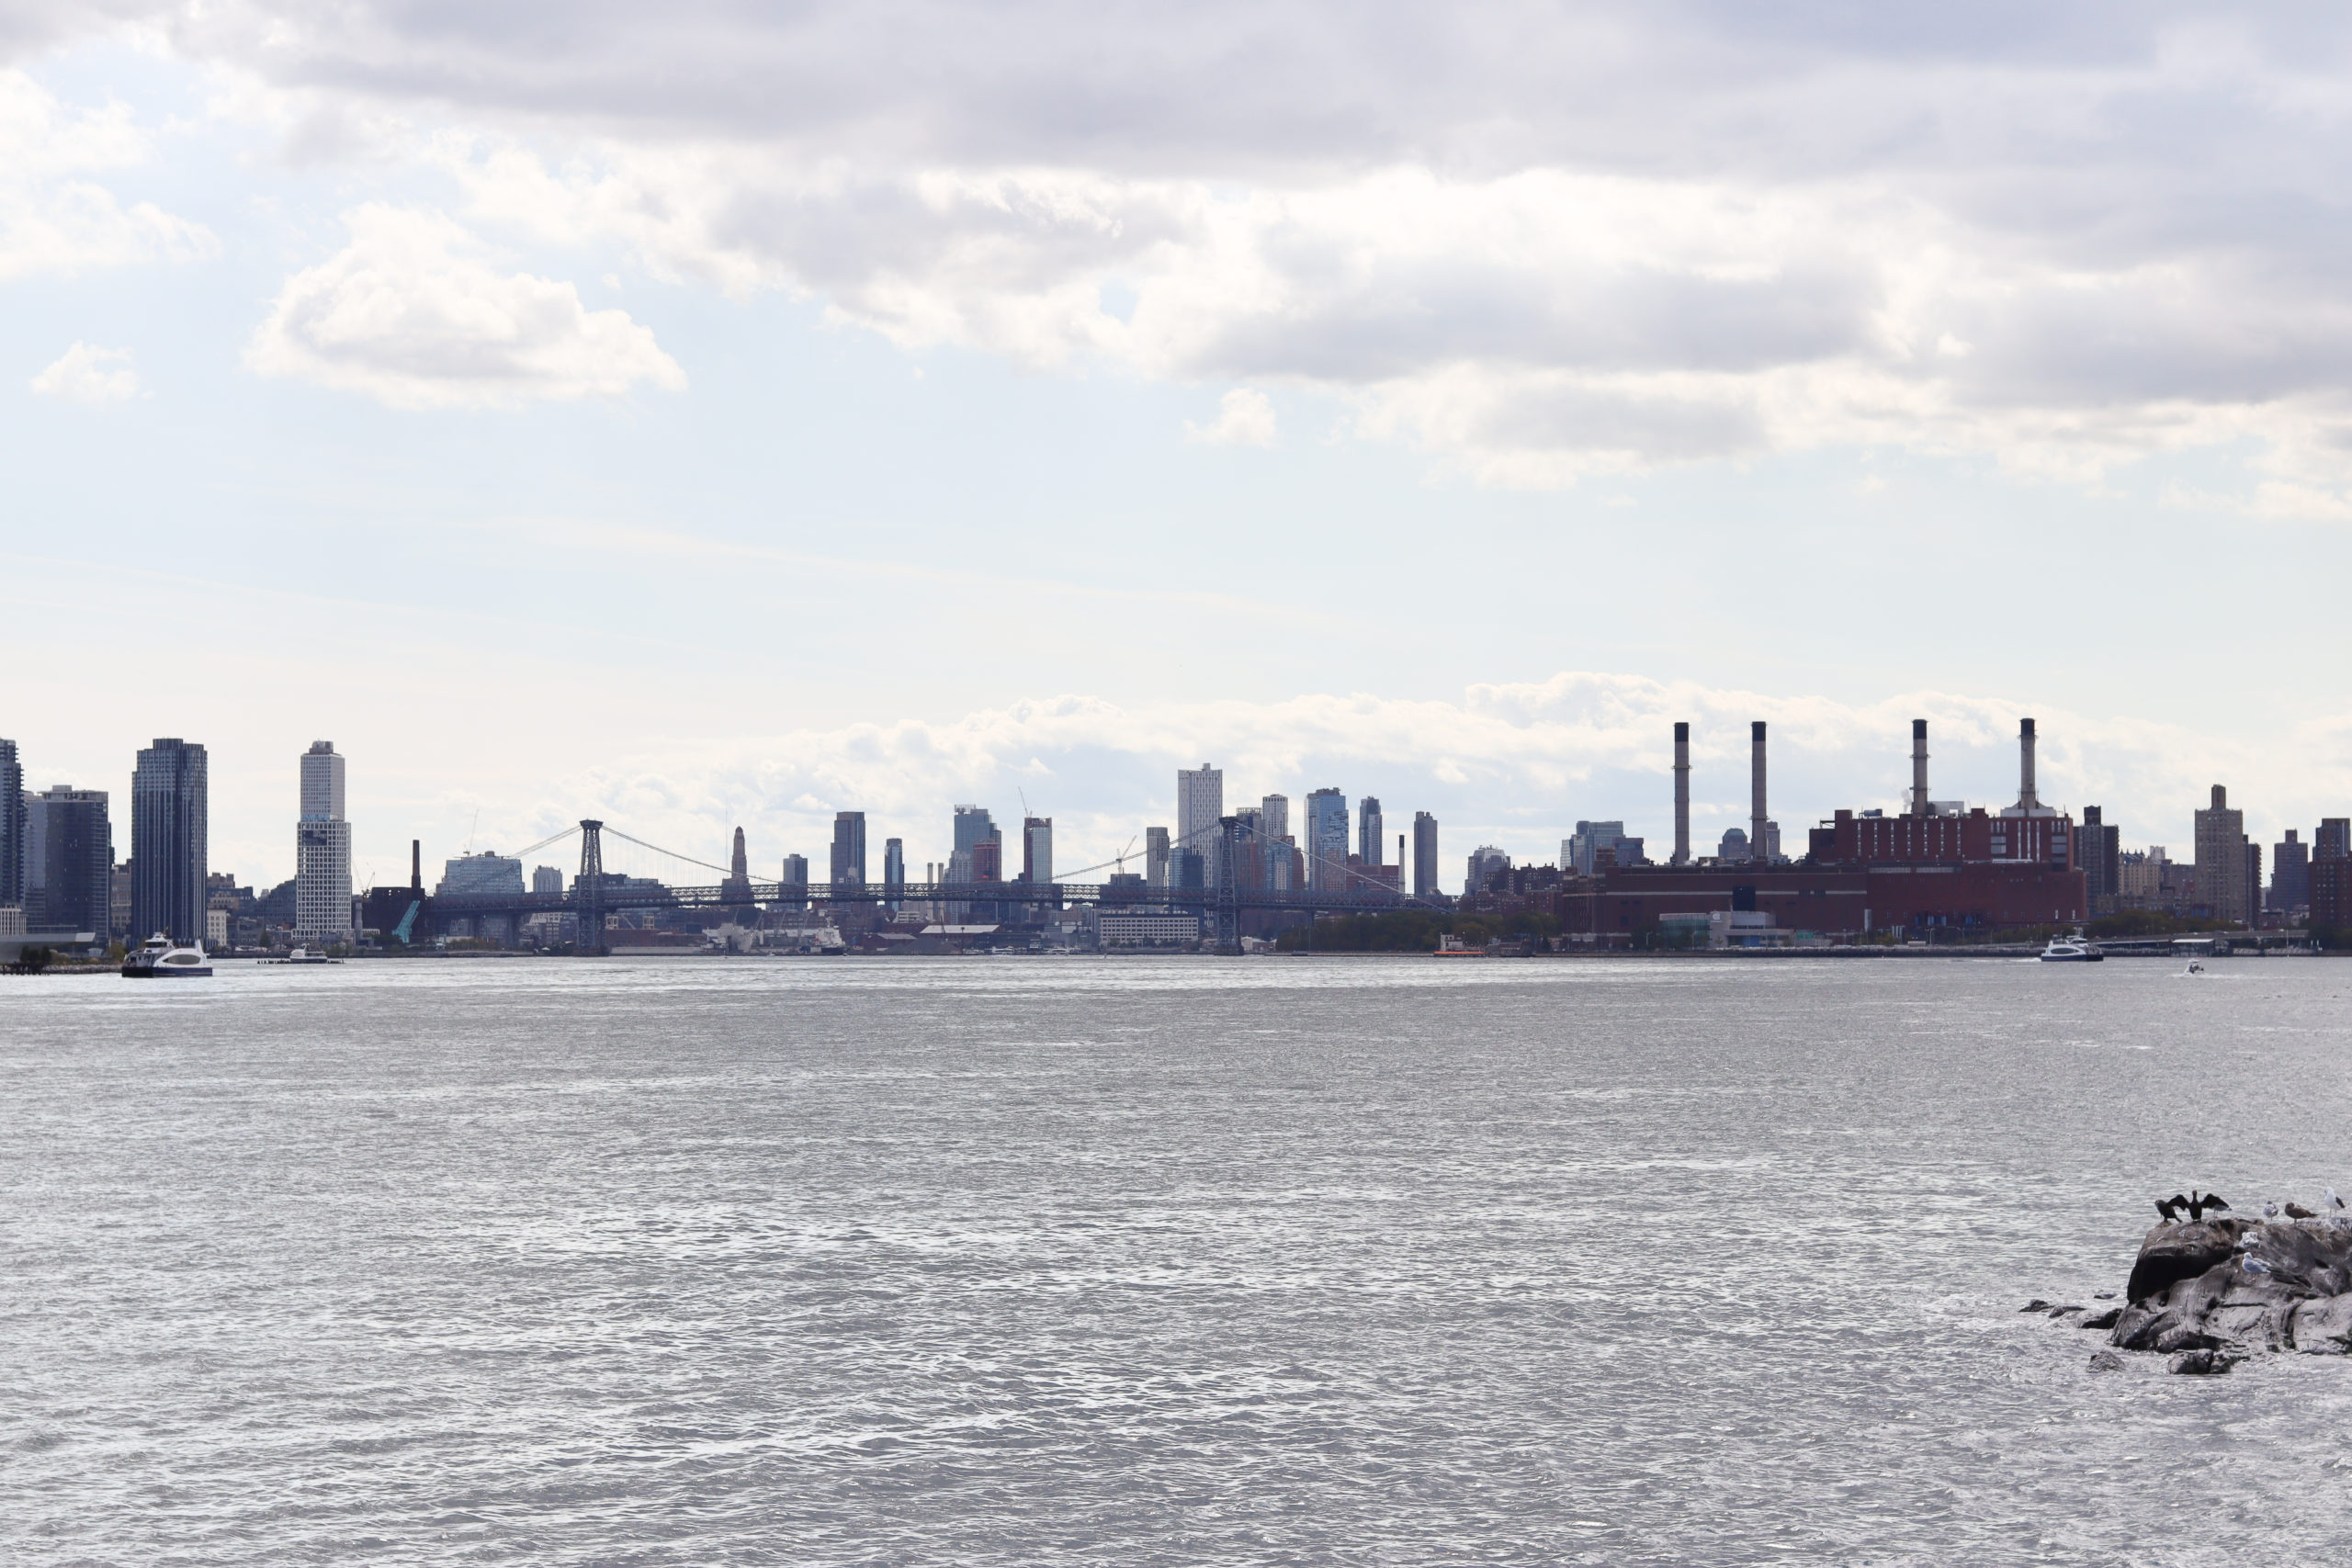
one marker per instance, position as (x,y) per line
(1756,808)
(2026,799)
(1682,794)
(1918,767)
(416,865)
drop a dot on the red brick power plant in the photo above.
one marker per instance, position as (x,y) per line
(1926,869)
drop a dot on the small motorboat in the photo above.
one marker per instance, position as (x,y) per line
(161,958)
(2071,950)
(303,955)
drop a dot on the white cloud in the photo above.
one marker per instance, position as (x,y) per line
(85,374)
(1245,417)
(54,220)
(1537,243)
(412,313)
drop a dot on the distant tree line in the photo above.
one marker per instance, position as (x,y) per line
(1412,930)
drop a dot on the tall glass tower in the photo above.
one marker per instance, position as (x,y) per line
(169,837)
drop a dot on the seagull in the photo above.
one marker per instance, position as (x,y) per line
(2333,1201)
(2296,1211)
(2256,1266)
(2170,1208)
(2270,1210)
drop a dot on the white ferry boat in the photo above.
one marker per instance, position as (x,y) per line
(160,958)
(2071,950)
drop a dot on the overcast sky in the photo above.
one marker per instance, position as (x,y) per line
(705,413)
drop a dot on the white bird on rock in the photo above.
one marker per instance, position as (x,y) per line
(2333,1201)
(2256,1266)
(2270,1210)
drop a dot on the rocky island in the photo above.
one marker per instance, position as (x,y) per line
(2211,1293)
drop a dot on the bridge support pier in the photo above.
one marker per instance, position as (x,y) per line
(589,890)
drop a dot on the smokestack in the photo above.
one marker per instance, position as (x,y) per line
(416,865)
(2026,799)
(1756,809)
(1682,794)
(1918,767)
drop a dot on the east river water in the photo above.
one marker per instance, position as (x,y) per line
(1054,1261)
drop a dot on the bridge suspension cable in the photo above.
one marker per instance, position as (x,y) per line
(613,832)
(543,843)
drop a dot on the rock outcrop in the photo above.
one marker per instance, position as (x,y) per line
(2209,1291)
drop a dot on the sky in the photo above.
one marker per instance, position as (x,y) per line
(715,414)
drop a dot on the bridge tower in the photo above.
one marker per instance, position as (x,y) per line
(1225,869)
(589,889)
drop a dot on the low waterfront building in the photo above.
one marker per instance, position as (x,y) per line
(1134,930)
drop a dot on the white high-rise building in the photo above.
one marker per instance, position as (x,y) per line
(321,851)
(1273,817)
(1200,801)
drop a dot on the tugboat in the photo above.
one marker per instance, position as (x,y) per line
(2071,950)
(160,958)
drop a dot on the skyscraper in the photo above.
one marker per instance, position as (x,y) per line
(2099,854)
(894,870)
(2290,874)
(979,857)
(849,849)
(1155,856)
(1273,817)
(12,827)
(1036,849)
(1588,841)
(1200,801)
(321,849)
(169,841)
(735,893)
(2333,839)
(2221,860)
(975,826)
(1370,831)
(70,843)
(1327,839)
(1424,855)
(547,879)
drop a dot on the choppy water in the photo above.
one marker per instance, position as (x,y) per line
(1000,1261)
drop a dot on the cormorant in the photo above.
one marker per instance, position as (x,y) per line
(2170,1208)
(2199,1202)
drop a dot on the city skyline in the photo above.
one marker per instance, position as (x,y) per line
(1970,762)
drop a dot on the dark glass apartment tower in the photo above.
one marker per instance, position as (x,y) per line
(849,849)
(73,883)
(168,840)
